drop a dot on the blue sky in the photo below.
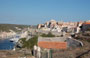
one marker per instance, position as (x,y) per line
(33,12)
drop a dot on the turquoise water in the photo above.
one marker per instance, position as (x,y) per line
(6,45)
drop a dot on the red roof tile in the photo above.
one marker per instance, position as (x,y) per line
(87,23)
(54,45)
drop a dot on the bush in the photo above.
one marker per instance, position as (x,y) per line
(30,43)
(88,29)
(48,35)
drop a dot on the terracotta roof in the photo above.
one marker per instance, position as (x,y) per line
(87,23)
(53,45)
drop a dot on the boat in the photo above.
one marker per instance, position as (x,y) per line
(15,39)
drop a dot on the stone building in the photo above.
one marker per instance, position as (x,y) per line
(86,26)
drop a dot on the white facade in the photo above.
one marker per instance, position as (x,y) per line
(24,34)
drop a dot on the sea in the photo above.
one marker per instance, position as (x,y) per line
(6,44)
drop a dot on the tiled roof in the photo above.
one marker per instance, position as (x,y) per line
(87,23)
(52,45)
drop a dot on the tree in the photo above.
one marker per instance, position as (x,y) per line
(30,43)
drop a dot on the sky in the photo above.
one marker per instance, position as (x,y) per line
(32,12)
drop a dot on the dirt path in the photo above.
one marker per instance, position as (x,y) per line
(13,54)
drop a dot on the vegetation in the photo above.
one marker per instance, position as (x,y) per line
(33,41)
(7,27)
(48,35)
(84,37)
(30,43)
(88,29)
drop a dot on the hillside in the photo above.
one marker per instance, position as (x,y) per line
(7,27)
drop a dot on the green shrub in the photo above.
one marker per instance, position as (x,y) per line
(30,43)
(48,35)
(88,29)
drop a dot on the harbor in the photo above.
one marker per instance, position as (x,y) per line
(6,44)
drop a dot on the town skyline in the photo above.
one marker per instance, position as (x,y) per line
(44,28)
